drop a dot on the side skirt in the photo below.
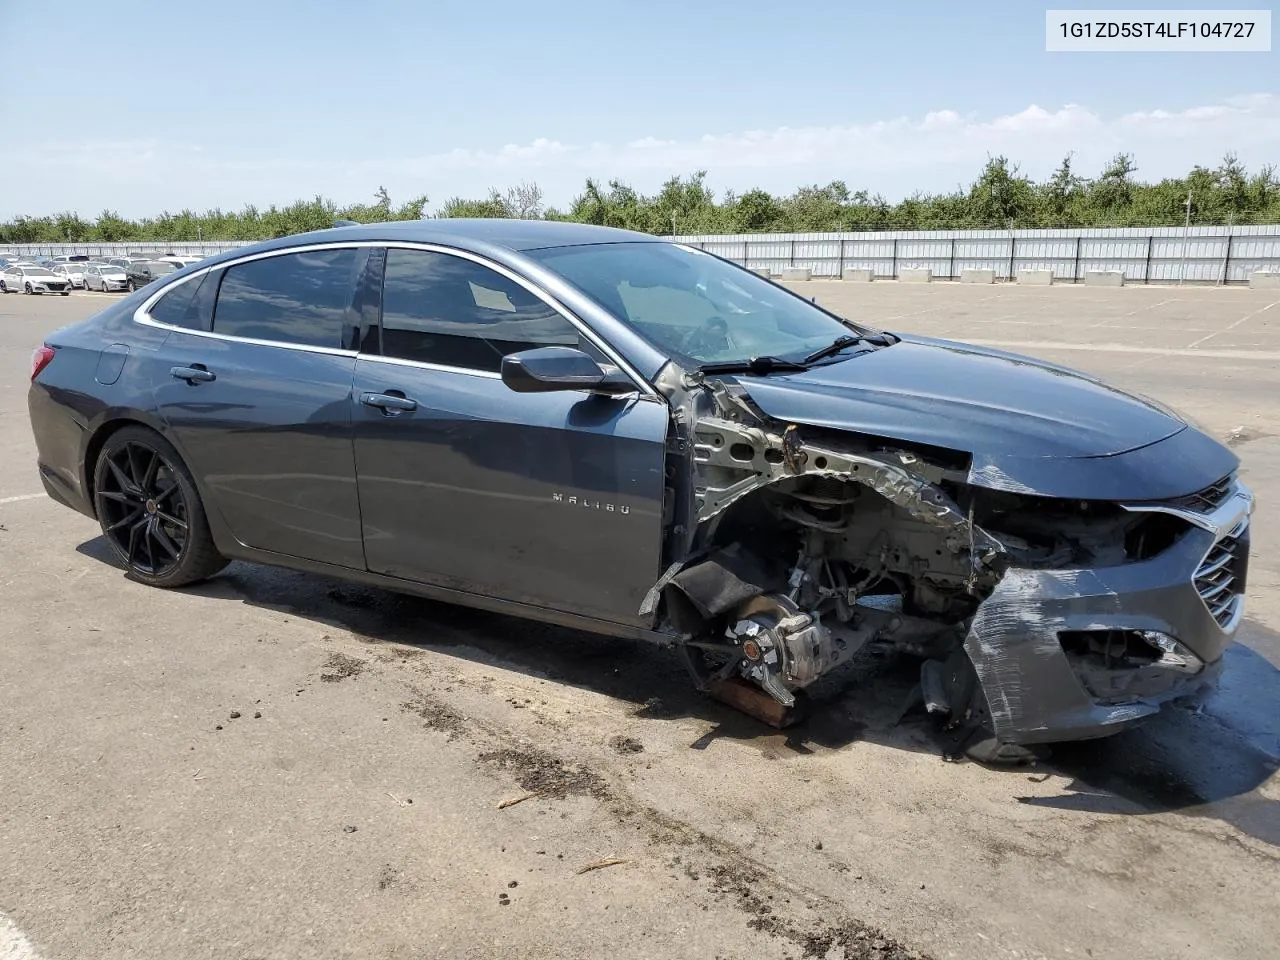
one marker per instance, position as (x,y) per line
(462,598)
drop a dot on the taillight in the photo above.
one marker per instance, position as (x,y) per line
(40,359)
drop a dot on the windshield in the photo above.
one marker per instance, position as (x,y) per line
(693,305)
(37,272)
(159,267)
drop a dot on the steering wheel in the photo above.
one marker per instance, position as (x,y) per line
(708,340)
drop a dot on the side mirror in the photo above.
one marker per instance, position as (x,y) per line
(548,369)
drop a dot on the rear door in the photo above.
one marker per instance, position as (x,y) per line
(260,402)
(551,499)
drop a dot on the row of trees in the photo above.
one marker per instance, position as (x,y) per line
(1001,197)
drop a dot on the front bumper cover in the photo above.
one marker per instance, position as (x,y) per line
(1034,694)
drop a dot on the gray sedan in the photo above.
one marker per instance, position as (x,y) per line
(609,431)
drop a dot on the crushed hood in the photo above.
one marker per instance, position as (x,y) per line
(1030,426)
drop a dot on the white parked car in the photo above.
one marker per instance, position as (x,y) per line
(25,278)
(73,272)
(105,277)
(180,260)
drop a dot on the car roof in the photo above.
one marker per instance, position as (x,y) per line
(477,235)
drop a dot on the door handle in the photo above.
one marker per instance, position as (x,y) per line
(193,374)
(388,403)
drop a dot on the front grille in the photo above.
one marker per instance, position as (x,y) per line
(1211,497)
(1220,577)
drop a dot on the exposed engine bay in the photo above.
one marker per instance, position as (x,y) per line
(795,546)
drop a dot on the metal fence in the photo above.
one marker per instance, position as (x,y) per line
(1143,255)
(193,248)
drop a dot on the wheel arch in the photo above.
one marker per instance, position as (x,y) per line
(103,429)
(114,420)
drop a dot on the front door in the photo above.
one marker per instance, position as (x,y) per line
(550,499)
(261,405)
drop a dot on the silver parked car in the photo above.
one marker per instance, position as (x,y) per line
(74,272)
(26,278)
(105,277)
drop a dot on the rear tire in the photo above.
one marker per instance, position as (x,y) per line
(150,511)
(66,293)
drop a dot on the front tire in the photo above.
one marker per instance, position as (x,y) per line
(150,511)
(27,290)
(3,288)
(132,288)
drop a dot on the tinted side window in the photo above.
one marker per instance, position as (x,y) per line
(178,307)
(300,298)
(442,309)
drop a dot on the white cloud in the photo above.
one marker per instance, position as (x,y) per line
(893,156)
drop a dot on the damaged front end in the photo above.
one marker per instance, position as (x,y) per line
(792,547)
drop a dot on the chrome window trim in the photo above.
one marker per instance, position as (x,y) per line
(142,315)
(443,368)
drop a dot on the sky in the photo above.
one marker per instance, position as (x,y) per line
(149,107)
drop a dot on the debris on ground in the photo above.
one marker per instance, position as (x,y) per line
(543,773)
(520,799)
(435,715)
(626,744)
(340,667)
(601,864)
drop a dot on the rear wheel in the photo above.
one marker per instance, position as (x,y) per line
(150,511)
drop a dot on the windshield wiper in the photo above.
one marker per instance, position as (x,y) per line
(752,365)
(832,348)
(848,340)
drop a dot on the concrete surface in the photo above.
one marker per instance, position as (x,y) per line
(915,274)
(796,273)
(859,274)
(977,275)
(139,820)
(1043,278)
(1264,280)
(1103,278)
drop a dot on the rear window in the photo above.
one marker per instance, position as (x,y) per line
(300,298)
(179,307)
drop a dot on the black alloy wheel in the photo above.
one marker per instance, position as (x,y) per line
(150,512)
